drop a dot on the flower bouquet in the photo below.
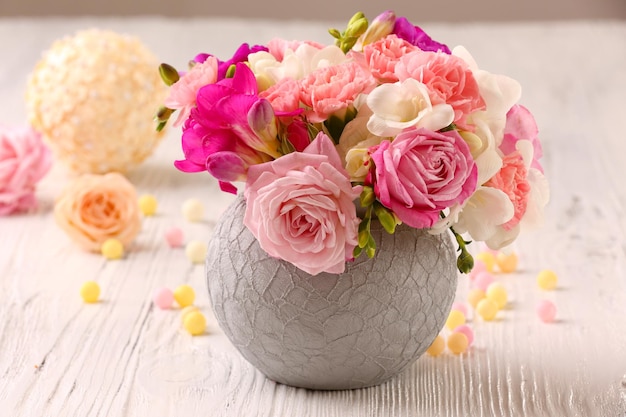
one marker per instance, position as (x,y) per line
(386,129)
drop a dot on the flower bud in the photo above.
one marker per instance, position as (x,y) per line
(386,219)
(168,74)
(355,17)
(381,26)
(357,28)
(465,262)
(261,116)
(367,196)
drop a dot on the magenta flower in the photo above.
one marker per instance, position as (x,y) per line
(240,55)
(422,172)
(230,129)
(416,36)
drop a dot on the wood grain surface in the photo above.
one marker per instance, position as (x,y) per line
(124,357)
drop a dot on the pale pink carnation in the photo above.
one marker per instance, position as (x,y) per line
(512,180)
(277,47)
(449,80)
(300,208)
(421,172)
(383,55)
(183,93)
(521,125)
(333,89)
(284,96)
(24,160)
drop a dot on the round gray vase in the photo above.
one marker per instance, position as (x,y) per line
(331,331)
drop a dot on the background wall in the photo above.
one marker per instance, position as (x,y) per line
(416,10)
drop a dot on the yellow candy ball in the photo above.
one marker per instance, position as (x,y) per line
(148,204)
(455,319)
(487,309)
(184,295)
(507,262)
(186,311)
(547,280)
(112,249)
(497,293)
(457,343)
(90,292)
(195,323)
(436,348)
(193,210)
(488,258)
(474,296)
(196,251)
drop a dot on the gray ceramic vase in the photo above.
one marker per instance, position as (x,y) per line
(331,332)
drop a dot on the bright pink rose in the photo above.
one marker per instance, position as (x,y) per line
(182,94)
(423,172)
(383,55)
(284,96)
(330,90)
(300,208)
(449,80)
(512,179)
(521,125)
(24,160)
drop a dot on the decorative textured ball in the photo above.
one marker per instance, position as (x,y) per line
(331,331)
(93,96)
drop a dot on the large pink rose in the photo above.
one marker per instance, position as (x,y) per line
(449,80)
(330,90)
(300,208)
(423,172)
(24,160)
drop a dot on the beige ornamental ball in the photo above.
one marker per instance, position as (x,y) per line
(93,96)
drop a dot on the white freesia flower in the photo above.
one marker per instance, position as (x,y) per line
(484,212)
(483,148)
(499,92)
(397,106)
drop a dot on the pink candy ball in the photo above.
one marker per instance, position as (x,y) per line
(479,266)
(459,306)
(467,331)
(483,279)
(546,310)
(174,237)
(163,298)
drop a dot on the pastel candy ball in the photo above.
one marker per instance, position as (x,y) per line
(547,280)
(112,249)
(487,309)
(195,323)
(487,258)
(184,295)
(546,310)
(193,210)
(196,251)
(457,343)
(174,237)
(507,262)
(479,266)
(90,292)
(163,298)
(467,331)
(186,311)
(483,280)
(436,348)
(497,293)
(455,319)
(148,204)
(462,307)
(474,296)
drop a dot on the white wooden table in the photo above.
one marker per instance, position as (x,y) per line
(124,357)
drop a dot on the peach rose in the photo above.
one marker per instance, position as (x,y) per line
(95,208)
(24,160)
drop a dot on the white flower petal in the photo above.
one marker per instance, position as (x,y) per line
(485,210)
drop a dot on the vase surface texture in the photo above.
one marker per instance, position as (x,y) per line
(331,331)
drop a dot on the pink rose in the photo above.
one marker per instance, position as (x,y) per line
(182,94)
(330,90)
(24,160)
(383,55)
(300,208)
(423,172)
(449,80)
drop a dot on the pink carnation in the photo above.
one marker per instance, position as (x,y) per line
(449,80)
(332,89)
(383,55)
(183,93)
(284,96)
(521,125)
(422,172)
(24,160)
(300,208)
(512,180)
(277,47)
